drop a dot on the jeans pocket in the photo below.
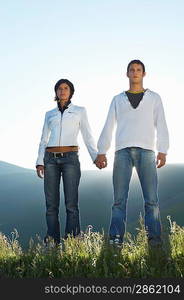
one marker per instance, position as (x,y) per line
(74,157)
(46,157)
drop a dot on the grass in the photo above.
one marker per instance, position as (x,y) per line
(92,257)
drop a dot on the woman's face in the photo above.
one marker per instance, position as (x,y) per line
(63,92)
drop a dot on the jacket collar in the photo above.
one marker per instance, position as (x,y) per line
(70,105)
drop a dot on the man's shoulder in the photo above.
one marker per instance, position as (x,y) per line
(151,93)
(119,96)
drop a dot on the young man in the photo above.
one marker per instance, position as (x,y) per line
(138,113)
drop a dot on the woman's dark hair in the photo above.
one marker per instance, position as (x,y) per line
(138,62)
(69,83)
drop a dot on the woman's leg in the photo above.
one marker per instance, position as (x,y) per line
(52,175)
(71,176)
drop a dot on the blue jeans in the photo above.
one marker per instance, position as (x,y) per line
(145,164)
(68,167)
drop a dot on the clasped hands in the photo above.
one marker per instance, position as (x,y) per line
(101,161)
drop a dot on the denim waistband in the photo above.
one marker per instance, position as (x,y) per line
(61,154)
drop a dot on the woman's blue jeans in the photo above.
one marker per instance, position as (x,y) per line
(145,164)
(68,167)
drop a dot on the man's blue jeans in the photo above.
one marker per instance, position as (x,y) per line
(68,167)
(145,164)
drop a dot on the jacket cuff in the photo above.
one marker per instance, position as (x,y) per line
(39,166)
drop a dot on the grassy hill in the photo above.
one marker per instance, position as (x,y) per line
(91,257)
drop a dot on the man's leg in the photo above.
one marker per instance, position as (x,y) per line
(52,175)
(122,172)
(71,176)
(147,172)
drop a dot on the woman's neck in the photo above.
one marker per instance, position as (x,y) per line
(63,102)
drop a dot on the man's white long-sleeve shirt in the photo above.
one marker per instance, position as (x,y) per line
(142,127)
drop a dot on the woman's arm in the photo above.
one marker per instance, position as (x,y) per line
(43,142)
(87,135)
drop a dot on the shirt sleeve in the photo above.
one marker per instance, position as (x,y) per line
(87,135)
(43,142)
(105,138)
(162,135)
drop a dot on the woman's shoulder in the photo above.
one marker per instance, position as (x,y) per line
(52,111)
(77,108)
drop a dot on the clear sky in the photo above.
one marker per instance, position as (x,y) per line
(90,42)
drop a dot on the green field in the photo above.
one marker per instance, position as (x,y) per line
(91,257)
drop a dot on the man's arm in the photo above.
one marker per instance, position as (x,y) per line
(162,133)
(105,138)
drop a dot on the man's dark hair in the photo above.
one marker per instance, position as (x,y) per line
(69,83)
(138,62)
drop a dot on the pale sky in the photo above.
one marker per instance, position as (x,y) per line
(90,43)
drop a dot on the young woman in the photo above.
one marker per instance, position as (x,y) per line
(58,156)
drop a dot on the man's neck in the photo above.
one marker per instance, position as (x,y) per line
(136,87)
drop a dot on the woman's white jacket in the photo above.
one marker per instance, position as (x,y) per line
(62,130)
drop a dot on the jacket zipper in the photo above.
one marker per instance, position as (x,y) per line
(60,128)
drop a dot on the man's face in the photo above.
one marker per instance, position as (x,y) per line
(63,92)
(135,73)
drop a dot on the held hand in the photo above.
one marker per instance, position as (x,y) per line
(161,160)
(101,161)
(40,171)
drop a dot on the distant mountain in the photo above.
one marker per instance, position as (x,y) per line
(23,206)
(6,168)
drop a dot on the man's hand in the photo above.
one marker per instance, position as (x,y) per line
(40,171)
(101,161)
(161,160)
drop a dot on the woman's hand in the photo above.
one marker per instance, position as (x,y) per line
(40,171)
(101,161)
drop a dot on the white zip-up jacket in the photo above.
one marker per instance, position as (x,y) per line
(62,130)
(135,127)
